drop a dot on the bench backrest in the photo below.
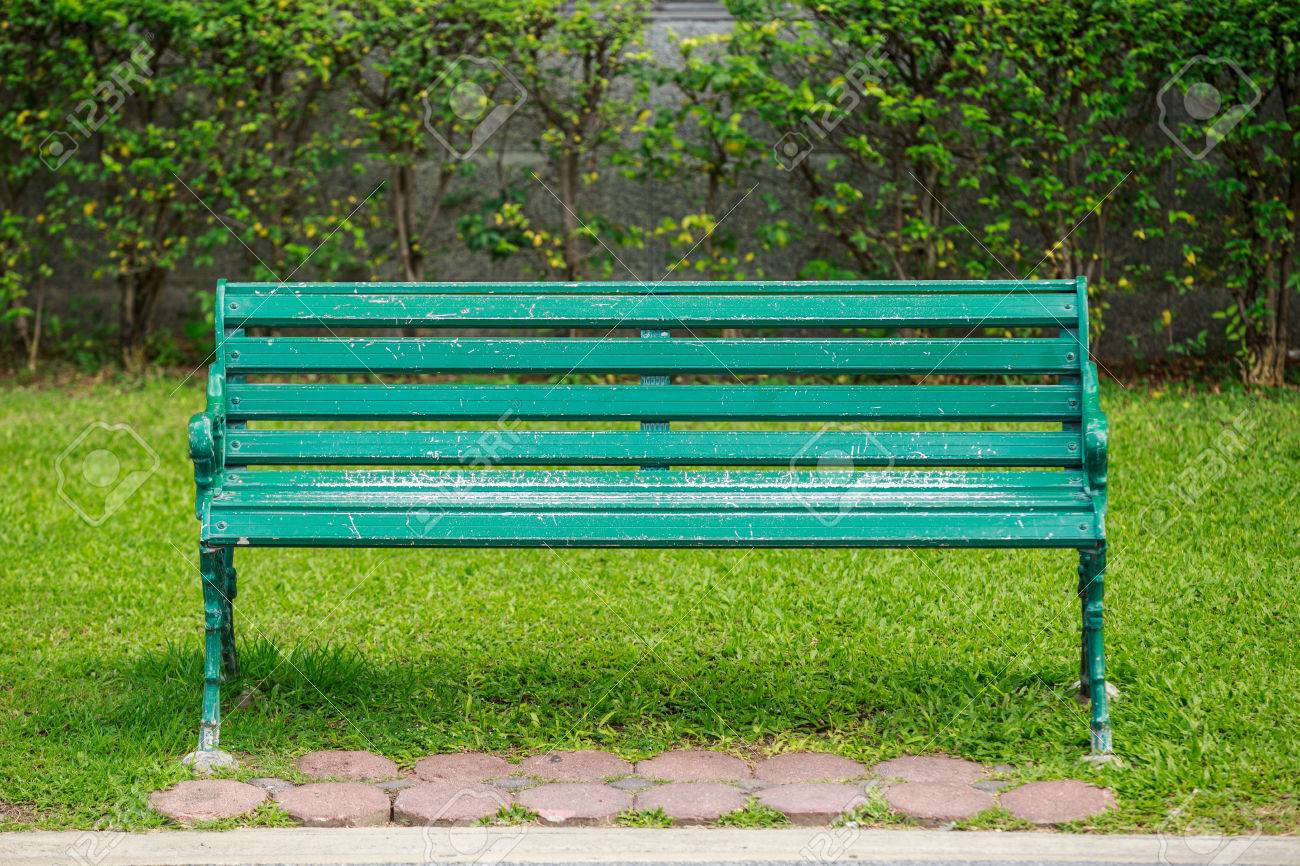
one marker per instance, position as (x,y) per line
(824,339)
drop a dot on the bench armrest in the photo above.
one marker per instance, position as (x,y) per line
(1096,432)
(207,430)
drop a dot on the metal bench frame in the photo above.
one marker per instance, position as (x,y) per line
(928,505)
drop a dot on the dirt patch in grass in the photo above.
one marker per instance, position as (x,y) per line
(16,813)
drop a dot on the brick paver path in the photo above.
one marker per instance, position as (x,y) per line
(586,765)
(1057,802)
(576,803)
(336,804)
(352,766)
(808,767)
(937,801)
(207,800)
(811,803)
(694,765)
(693,802)
(584,787)
(925,768)
(462,767)
(448,803)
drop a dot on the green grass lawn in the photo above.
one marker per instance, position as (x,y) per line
(868,653)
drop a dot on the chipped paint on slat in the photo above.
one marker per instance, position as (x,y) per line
(644,402)
(886,357)
(611,311)
(685,287)
(633,447)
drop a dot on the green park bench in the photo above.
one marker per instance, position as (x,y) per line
(1036,477)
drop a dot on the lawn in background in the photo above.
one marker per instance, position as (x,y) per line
(867,653)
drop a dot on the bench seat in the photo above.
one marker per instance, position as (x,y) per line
(666,508)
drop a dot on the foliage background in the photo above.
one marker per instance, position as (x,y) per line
(277,138)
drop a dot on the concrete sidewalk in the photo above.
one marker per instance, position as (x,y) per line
(540,845)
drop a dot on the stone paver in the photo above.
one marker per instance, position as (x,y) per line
(693,802)
(694,765)
(462,767)
(585,765)
(1057,802)
(207,800)
(812,804)
(448,803)
(271,785)
(336,804)
(632,783)
(353,766)
(807,767)
(575,803)
(514,783)
(937,801)
(930,768)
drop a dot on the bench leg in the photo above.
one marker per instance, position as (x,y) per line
(1084,695)
(1092,575)
(213,573)
(229,657)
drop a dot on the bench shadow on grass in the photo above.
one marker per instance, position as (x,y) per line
(618,695)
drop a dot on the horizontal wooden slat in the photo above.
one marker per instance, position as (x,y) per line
(663,357)
(860,497)
(540,480)
(636,447)
(649,402)
(629,311)
(804,527)
(775,287)
(664,508)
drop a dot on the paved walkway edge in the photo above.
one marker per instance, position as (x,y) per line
(537,845)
